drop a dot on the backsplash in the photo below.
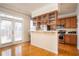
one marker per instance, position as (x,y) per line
(68,31)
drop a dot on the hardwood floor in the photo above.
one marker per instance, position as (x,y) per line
(67,50)
(26,49)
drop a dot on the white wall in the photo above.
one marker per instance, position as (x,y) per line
(45,9)
(78,26)
(26,28)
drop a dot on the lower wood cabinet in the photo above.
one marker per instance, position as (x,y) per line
(73,39)
(66,39)
(70,39)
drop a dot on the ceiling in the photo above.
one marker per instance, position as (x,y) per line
(65,8)
(25,8)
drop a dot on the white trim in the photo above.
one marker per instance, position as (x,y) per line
(8,44)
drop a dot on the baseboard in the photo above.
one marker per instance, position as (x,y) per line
(14,43)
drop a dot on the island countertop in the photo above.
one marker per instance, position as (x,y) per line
(44,31)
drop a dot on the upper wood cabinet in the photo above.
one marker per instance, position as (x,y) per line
(63,22)
(58,21)
(73,22)
(48,19)
(68,22)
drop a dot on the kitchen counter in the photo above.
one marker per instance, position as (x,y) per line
(45,39)
(43,31)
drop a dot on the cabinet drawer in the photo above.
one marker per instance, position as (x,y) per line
(70,39)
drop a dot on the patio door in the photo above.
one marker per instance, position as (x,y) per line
(6,31)
(10,31)
(17,31)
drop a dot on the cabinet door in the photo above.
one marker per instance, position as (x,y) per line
(63,21)
(67,39)
(73,39)
(58,21)
(73,22)
(53,26)
(67,25)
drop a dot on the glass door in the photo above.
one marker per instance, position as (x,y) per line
(11,30)
(6,31)
(17,31)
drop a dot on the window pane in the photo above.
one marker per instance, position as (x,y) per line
(6,31)
(18,31)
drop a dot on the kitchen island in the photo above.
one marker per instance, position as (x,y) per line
(47,40)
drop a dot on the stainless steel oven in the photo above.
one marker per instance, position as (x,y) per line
(61,36)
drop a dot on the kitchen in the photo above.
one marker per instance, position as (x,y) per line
(62,23)
(67,30)
(67,24)
(51,28)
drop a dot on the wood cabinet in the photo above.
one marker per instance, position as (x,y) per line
(48,19)
(73,22)
(62,22)
(58,21)
(73,39)
(68,22)
(70,39)
(66,39)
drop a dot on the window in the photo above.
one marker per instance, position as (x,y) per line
(11,28)
(6,31)
(18,31)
